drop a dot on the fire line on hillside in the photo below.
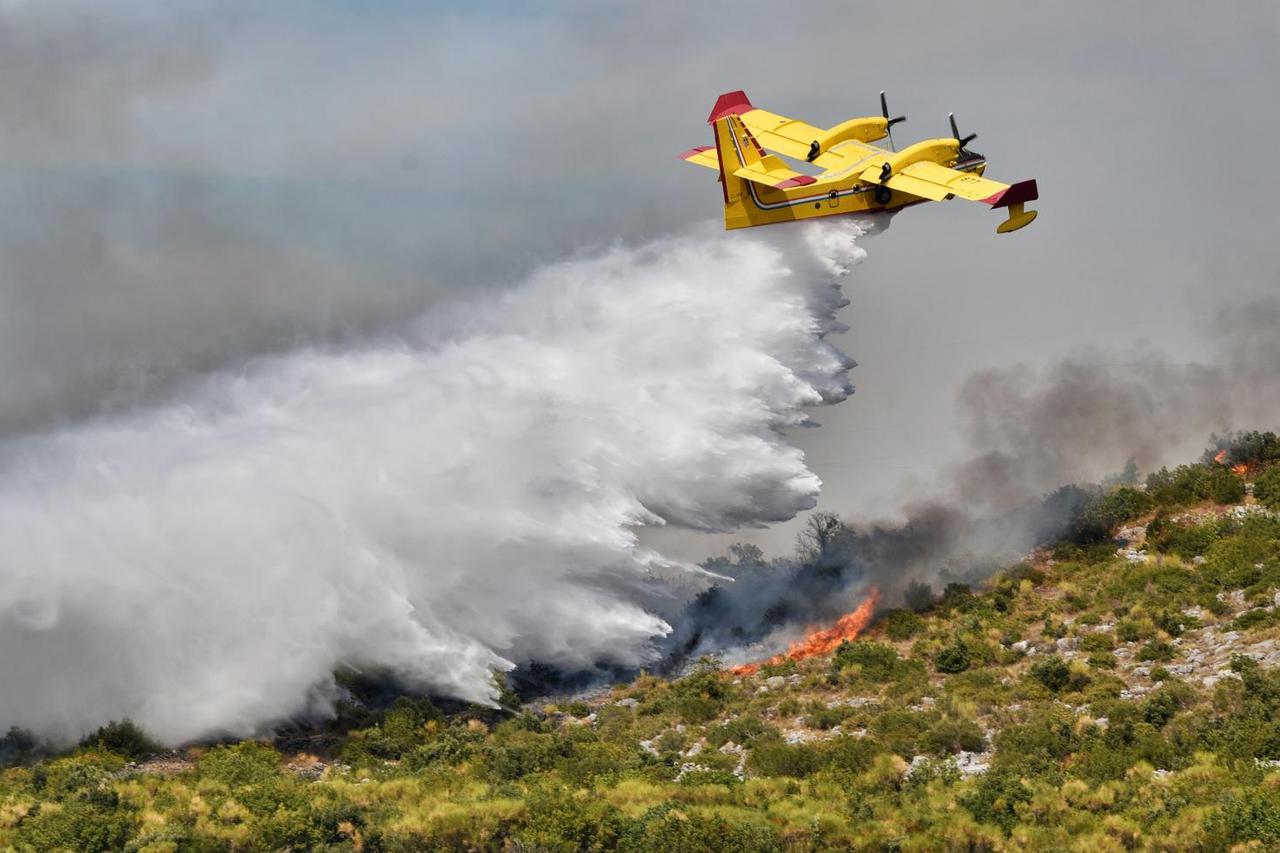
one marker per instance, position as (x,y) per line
(847,627)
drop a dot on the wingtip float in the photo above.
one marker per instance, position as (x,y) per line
(759,187)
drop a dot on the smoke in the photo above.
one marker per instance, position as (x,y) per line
(456,500)
(1040,441)
(1085,417)
(129,265)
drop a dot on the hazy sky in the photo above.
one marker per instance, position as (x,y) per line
(185,186)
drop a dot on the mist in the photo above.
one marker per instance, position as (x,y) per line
(435,506)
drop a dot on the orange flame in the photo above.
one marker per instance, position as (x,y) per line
(847,627)
(1241,470)
(1220,457)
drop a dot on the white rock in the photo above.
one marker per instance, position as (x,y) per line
(628,703)
(775,682)
(972,763)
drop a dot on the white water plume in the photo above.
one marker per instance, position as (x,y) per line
(455,500)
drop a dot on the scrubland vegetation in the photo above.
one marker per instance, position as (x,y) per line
(1090,698)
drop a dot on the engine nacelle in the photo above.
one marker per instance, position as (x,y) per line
(867,129)
(944,152)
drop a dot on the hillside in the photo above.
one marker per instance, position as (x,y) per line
(1116,690)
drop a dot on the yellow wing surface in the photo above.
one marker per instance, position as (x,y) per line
(935,182)
(752,162)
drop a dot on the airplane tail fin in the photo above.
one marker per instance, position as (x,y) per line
(736,147)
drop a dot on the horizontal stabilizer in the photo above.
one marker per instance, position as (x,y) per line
(703,155)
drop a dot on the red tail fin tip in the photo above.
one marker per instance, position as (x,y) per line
(730,103)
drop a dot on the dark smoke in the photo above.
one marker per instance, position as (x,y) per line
(1042,442)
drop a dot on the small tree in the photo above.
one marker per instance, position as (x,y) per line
(816,542)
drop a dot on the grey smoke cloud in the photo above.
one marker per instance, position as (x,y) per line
(1076,421)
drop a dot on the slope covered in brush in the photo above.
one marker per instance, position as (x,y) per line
(1099,695)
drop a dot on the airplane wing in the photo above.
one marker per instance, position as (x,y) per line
(932,181)
(840,146)
(751,162)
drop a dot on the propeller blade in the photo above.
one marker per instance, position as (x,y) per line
(884,111)
(955,131)
(889,122)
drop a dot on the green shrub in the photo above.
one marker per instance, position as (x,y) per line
(1188,484)
(668,827)
(1097,642)
(902,624)
(1247,815)
(1118,506)
(1161,705)
(741,730)
(1130,631)
(124,739)
(903,731)
(952,658)
(951,735)
(828,718)
(1024,571)
(875,661)
(1056,675)
(851,754)
(1256,618)
(1155,649)
(777,758)
(558,820)
(1102,660)
(79,824)
(246,763)
(1188,540)
(702,695)
(1266,488)
(995,799)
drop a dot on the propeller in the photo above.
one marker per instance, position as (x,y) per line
(890,122)
(955,131)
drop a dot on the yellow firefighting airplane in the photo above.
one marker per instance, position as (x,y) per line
(760,189)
